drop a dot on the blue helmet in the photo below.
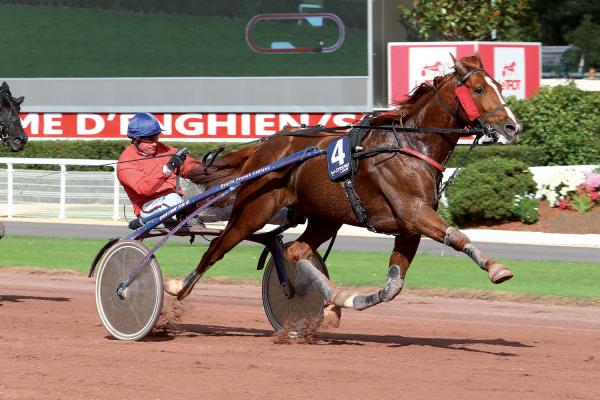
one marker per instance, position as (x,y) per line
(143,125)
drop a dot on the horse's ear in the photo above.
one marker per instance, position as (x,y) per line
(19,100)
(458,66)
(478,58)
(4,87)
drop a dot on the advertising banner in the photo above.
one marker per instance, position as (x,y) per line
(410,64)
(515,65)
(198,127)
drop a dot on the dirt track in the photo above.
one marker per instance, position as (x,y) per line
(52,345)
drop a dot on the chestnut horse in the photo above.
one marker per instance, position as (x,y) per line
(399,190)
(11,130)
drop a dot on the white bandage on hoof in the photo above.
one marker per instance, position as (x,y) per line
(173,286)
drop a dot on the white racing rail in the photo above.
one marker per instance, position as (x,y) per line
(63,194)
(99,195)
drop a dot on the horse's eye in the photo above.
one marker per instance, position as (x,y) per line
(478,90)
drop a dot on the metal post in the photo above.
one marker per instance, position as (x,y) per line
(370,55)
(63,190)
(115,194)
(493,33)
(9,175)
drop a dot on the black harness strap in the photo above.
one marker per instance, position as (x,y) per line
(365,128)
(462,79)
(357,205)
(356,135)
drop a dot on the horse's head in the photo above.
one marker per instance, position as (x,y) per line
(11,130)
(480,99)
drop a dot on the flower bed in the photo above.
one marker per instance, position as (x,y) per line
(566,200)
(571,204)
(572,190)
(555,220)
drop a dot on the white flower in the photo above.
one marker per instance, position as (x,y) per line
(560,184)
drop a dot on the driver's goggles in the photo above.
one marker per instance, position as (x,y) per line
(150,139)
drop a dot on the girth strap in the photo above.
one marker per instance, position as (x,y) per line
(357,205)
(356,135)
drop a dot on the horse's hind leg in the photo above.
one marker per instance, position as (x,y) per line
(430,224)
(317,232)
(250,213)
(405,248)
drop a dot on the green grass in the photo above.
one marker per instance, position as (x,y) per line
(534,278)
(80,42)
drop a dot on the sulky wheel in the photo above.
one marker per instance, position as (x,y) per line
(305,304)
(134,315)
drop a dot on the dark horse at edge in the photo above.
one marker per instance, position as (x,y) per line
(398,190)
(11,130)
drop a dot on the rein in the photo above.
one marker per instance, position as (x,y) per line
(403,149)
(341,129)
(112,163)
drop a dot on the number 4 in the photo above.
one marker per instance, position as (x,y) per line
(338,155)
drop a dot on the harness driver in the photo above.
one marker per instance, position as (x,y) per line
(149,181)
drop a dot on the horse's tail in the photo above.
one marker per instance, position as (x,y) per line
(222,169)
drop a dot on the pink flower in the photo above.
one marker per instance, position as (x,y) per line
(592,181)
(564,203)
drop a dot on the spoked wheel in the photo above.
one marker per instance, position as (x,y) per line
(305,304)
(133,316)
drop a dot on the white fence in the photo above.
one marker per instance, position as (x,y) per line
(63,193)
(98,195)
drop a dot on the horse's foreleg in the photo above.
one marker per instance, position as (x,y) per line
(404,251)
(405,248)
(431,225)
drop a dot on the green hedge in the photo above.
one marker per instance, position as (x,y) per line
(563,122)
(484,192)
(530,155)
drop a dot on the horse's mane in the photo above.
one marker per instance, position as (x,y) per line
(406,106)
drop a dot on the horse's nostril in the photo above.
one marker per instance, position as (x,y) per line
(510,129)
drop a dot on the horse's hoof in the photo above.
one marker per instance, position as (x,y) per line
(331,316)
(184,293)
(498,273)
(173,287)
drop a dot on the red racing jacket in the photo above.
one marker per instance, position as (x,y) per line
(143,178)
